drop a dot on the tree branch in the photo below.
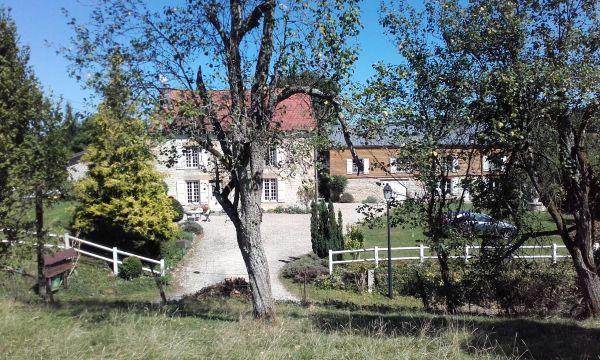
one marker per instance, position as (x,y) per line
(337,104)
(211,15)
(253,19)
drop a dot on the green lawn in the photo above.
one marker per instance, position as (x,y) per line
(407,235)
(103,317)
(57,216)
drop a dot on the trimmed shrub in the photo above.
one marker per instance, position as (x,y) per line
(308,267)
(346,198)
(337,186)
(169,251)
(177,209)
(354,239)
(288,210)
(352,277)
(370,200)
(184,235)
(131,268)
(192,226)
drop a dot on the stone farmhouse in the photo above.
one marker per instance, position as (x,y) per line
(289,162)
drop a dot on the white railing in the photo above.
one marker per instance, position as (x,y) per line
(422,256)
(70,240)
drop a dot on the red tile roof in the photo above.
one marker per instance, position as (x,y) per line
(293,113)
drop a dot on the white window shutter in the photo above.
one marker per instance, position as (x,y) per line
(456,188)
(454,164)
(204,186)
(393,166)
(203,159)
(366,166)
(348,166)
(279,156)
(180,164)
(486,163)
(182,192)
(280,190)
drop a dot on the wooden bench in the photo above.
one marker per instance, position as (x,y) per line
(58,264)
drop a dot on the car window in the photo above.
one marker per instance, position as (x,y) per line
(483,217)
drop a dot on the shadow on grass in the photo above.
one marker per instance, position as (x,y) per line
(209,309)
(523,338)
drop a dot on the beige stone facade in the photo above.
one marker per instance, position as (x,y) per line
(190,179)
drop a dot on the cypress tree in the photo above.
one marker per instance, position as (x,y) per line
(314,227)
(340,233)
(333,229)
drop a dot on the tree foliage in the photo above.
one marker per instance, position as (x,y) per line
(525,77)
(33,156)
(122,196)
(326,231)
(246,47)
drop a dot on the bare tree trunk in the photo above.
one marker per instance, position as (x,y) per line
(447,283)
(251,247)
(247,218)
(39,234)
(581,251)
(589,282)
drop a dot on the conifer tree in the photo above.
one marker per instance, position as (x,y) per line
(122,197)
(33,154)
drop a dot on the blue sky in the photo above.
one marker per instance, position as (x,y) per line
(42,26)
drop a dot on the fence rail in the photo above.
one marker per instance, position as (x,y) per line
(70,240)
(467,254)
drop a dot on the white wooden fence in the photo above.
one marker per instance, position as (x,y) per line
(71,240)
(467,254)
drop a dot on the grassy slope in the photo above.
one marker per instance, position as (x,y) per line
(101,317)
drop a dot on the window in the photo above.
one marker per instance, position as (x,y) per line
(193,192)
(494,163)
(271,157)
(190,155)
(450,163)
(351,167)
(269,189)
(399,165)
(355,167)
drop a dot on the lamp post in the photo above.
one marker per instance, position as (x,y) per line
(387,194)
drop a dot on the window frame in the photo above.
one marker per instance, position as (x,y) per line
(271,156)
(270,190)
(193,191)
(191,157)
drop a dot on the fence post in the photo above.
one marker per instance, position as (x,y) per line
(115,261)
(421,252)
(162,267)
(554,248)
(330,262)
(376,256)
(66,239)
(466,253)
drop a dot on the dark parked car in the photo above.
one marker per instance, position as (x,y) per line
(472,223)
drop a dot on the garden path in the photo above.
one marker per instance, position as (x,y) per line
(217,255)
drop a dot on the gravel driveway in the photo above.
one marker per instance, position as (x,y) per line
(217,255)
